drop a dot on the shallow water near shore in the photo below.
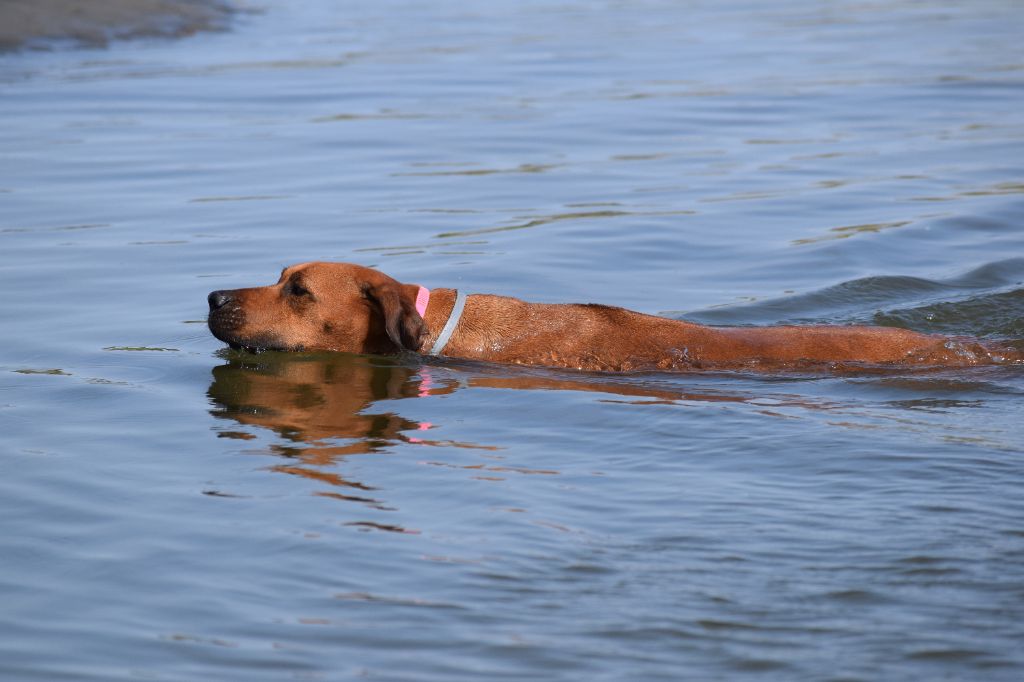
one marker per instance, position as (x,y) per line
(171,509)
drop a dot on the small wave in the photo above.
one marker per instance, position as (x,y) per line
(987,301)
(997,314)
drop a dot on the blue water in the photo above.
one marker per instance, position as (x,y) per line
(170,509)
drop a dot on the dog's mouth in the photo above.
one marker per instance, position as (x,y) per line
(256,345)
(256,350)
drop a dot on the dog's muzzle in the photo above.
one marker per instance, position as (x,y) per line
(227,321)
(225,316)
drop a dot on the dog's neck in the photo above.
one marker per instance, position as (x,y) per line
(436,307)
(442,337)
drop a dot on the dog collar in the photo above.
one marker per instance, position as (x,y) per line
(449,326)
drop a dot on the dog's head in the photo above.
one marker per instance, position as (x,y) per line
(321,306)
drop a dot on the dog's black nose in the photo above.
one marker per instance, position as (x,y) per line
(218,299)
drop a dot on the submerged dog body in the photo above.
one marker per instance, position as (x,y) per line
(350,308)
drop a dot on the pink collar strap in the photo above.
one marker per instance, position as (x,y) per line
(422,299)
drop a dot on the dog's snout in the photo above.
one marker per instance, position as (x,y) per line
(218,299)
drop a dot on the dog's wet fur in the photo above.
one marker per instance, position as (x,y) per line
(350,308)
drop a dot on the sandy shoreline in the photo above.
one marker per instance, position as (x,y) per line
(45,24)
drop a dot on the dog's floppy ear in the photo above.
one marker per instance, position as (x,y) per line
(403,324)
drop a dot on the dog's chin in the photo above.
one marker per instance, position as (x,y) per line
(247,349)
(263,348)
(254,344)
(259,345)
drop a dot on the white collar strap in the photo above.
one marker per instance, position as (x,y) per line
(449,326)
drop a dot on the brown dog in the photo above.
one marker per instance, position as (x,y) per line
(350,308)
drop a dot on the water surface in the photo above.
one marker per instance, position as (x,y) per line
(174,510)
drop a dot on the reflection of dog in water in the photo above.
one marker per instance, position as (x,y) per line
(318,406)
(325,407)
(345,307)
(312,402)
(315,402)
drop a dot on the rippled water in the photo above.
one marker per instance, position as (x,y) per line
(173,510)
